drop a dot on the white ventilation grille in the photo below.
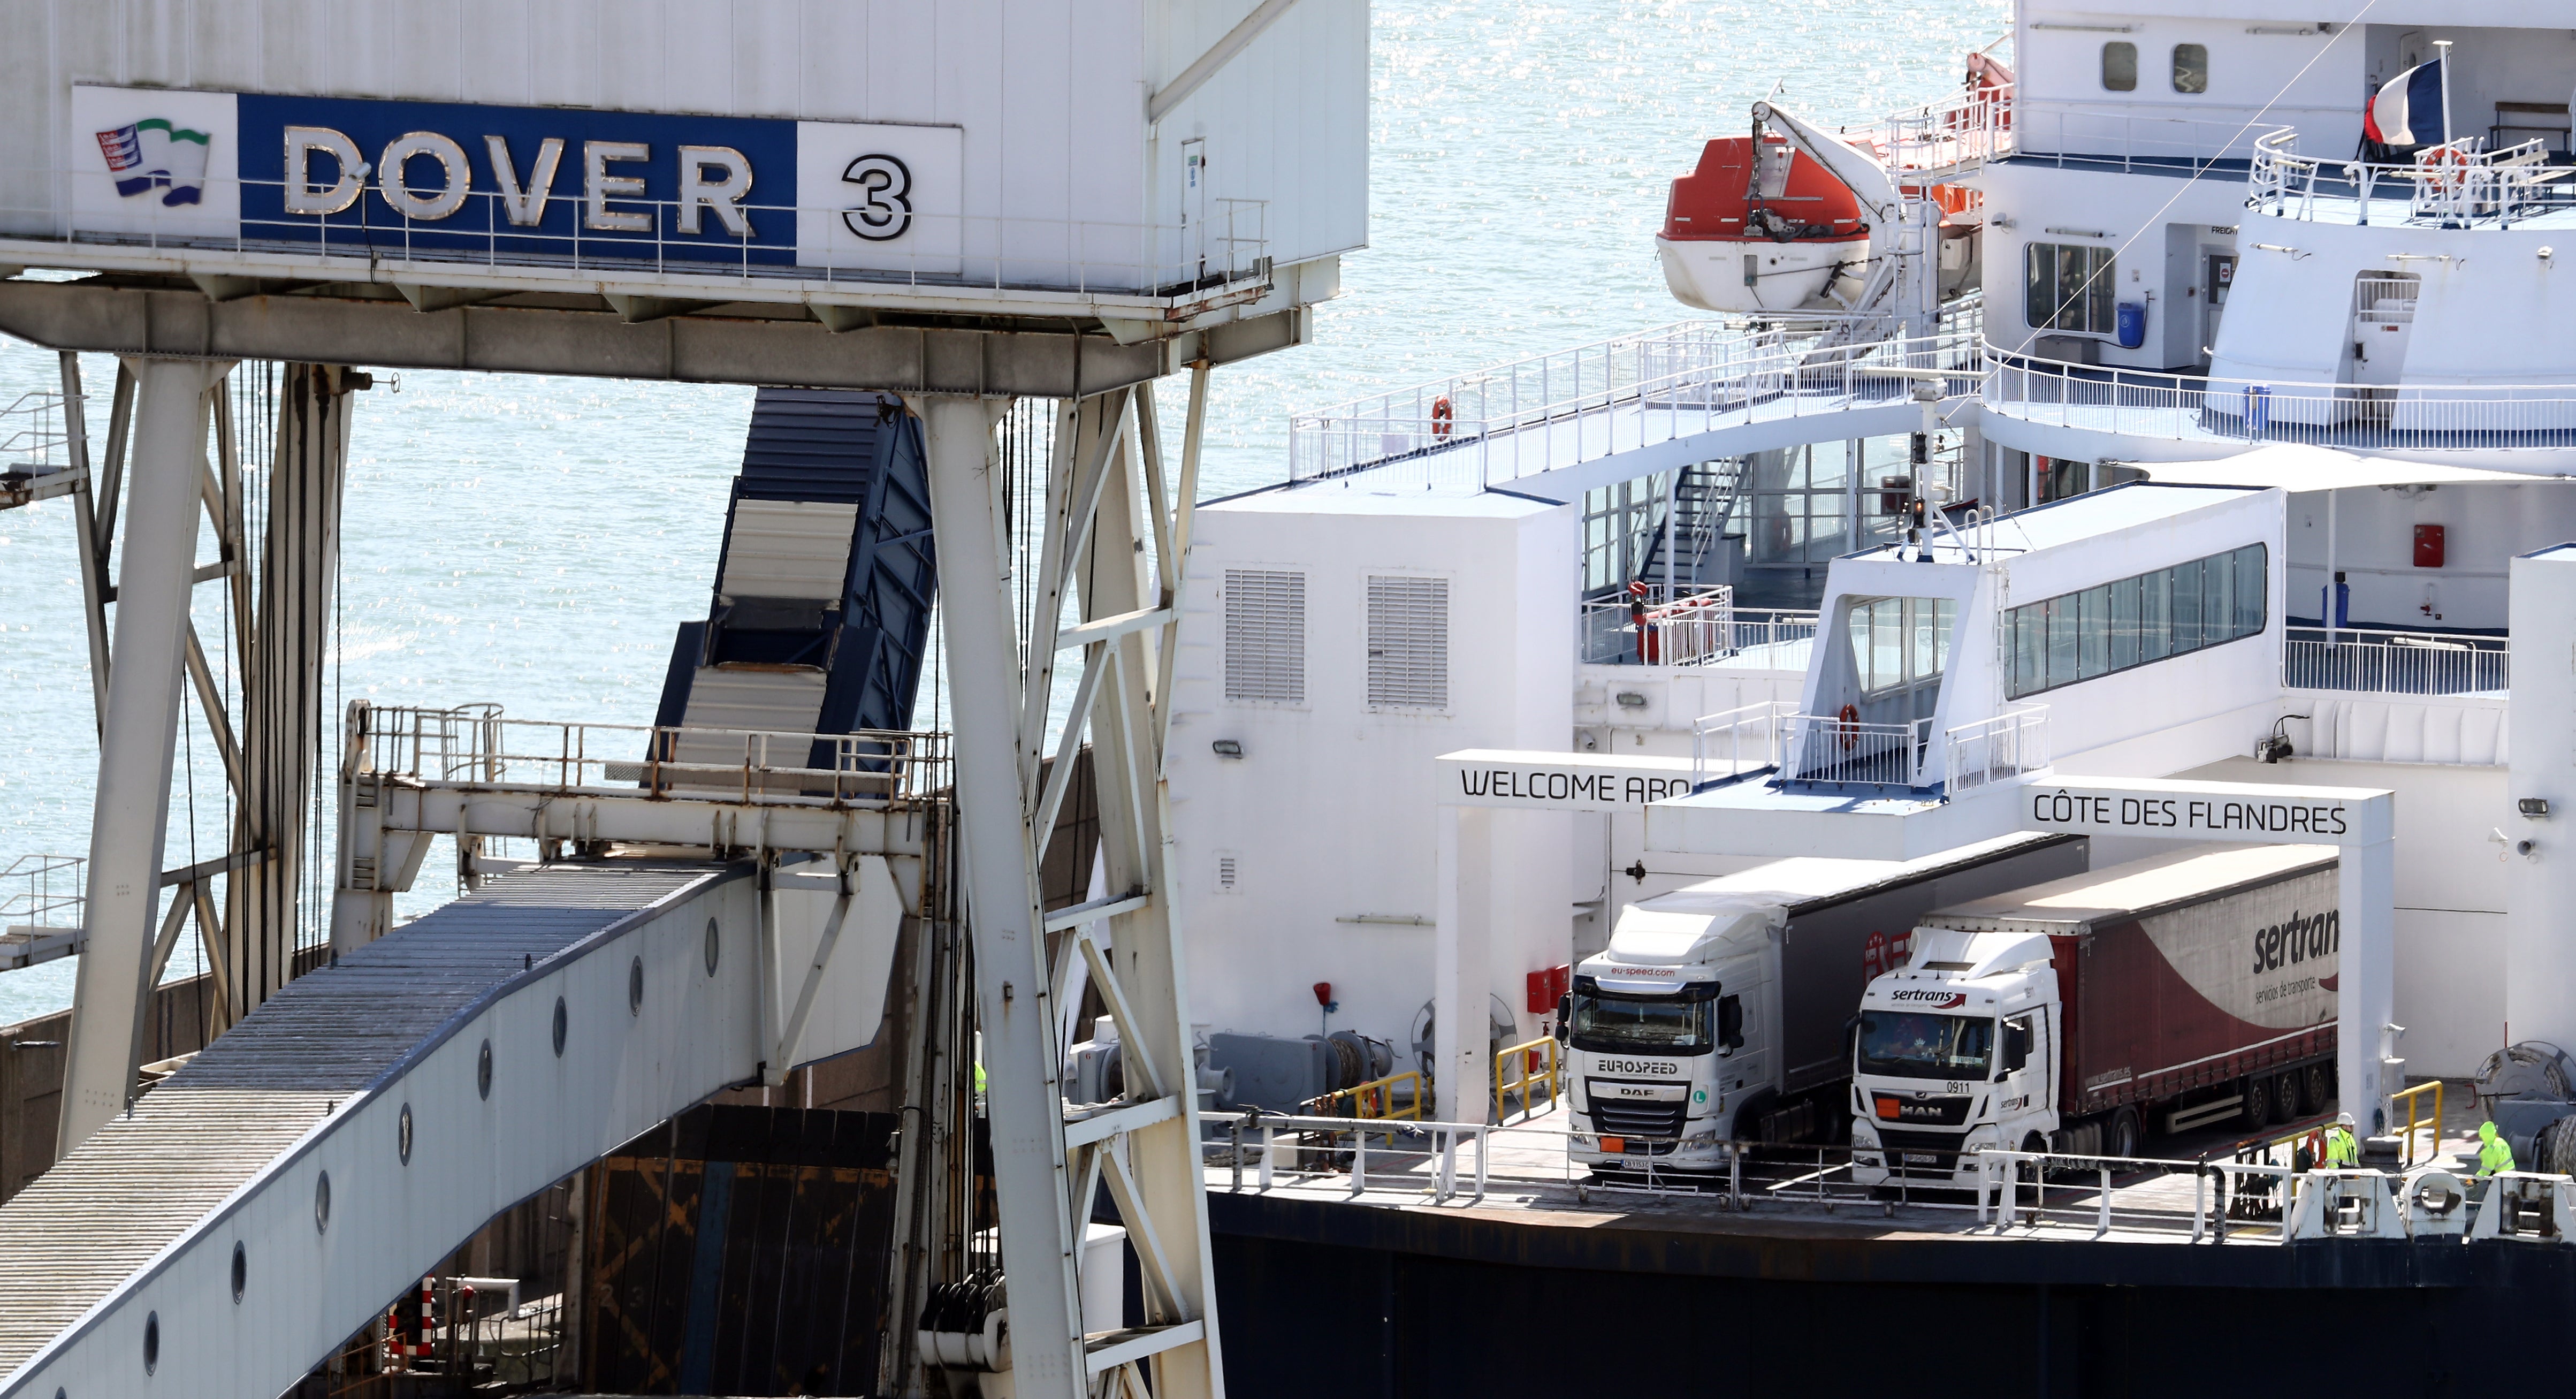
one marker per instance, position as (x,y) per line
(1408,643)
(1226,875)
(1265,636)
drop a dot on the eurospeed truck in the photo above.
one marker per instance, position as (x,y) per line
(1722,1011)
(2080,1015)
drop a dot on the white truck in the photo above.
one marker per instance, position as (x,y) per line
(1721,1012)
(2082,1015)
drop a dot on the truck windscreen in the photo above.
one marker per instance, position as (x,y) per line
(1912,1044)
(1611,1024)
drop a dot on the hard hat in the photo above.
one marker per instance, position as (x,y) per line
(2343,1119)
(2486,1131)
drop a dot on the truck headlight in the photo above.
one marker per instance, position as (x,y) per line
(1980,1137)
(1864,1133)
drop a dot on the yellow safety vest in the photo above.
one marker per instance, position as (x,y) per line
(2495,1156)
(2341,1149)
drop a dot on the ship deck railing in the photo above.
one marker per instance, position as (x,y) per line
(1529,1168)
(2371,660)
(2243,410)
(1696,629)
(2457,184)
(1512,421)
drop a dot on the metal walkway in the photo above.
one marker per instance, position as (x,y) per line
(266,1202)
(1693,392)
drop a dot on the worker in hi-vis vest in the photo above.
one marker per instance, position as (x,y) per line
(2494,1152)
(2343,1152)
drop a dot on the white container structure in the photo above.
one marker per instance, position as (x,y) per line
(1149,163)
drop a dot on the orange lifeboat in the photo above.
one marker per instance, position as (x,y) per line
(1776,240)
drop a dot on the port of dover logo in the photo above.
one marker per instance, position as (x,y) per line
(156,154)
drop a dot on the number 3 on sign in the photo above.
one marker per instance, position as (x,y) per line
(887,183)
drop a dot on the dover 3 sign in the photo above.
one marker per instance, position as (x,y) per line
(534,186)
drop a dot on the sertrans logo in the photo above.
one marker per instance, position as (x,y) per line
(1929,999)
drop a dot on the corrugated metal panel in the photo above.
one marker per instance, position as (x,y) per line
(787,549)
(813,444)
(769,701)
(135,1187)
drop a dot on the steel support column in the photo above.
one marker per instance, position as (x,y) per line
(137,740)
(282,690)
(1013,1008)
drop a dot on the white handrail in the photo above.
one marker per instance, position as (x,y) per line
(1753,727)
(2010,744)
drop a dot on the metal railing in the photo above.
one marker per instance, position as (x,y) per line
(476,746)
(1333,1145)
(1830,748)
(2010,744)
(1737,741)
(2085,136)
(1521,1068)
(42,891)
(34,439)
(2453,185)
(742,240)
(2375,661)
(1696,629)
(1572,406)
(2411,1102)
(1372,1100)
(2195,408)
(1962,129)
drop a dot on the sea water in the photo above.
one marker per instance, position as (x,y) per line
(532,541)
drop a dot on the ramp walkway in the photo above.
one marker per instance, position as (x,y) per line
(264,1203)
(1563,423)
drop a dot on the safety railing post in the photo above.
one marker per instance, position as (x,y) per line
(1238,1155)
(2102,1222)
(1359,1162)
(1269,1152)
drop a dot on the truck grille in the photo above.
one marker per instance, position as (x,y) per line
(1943,1147)
(1661,1121)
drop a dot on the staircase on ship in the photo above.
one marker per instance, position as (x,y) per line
(823,591)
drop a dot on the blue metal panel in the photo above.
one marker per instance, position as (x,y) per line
(847,448)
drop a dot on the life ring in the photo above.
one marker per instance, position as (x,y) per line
(1442,415)
(1847,726)
(2444,168)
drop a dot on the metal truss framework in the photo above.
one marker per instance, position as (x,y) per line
(173,437)
(1106,496)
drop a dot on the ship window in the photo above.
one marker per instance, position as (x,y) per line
(2191,67)
(1265,636)
(2068,286)
(1408,642)
(2120,66)
(1898,641)
(2138,620)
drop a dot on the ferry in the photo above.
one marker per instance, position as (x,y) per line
(1971,787)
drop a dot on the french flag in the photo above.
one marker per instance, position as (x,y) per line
(2407,110)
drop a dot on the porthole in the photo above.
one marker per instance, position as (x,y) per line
(483,1072)
(241,1270)
(635,987)
(714,946)
(322,1202)
(563,1025)
(151,1343)
(402,1135)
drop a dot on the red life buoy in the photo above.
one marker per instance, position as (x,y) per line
(1442,415)
(2444,167)
(1847,724)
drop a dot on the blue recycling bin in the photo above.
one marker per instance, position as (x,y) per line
(2258,407)
(2133,324)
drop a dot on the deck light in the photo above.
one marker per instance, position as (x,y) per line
(2533,807)
(1226,748)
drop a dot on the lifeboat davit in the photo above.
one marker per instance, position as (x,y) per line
(1779,243)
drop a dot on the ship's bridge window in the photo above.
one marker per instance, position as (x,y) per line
(2069,286)
(1900,641)
(2139,620)
(2191,67)
(2120,66)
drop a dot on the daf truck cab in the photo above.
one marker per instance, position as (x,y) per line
(1720,1012)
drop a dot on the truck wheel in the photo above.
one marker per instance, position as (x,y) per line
(2285,1097)
(2257,1110)
(2126,1134)
(2320,1087)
